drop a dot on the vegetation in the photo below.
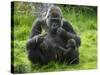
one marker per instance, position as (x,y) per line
(83,20)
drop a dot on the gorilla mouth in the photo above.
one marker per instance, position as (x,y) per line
(54,30)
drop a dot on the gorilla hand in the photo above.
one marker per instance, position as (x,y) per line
(60,31)
(38,38)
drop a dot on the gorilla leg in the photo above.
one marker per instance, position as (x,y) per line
(38,54)
(34,52)
(73,57)
(35,56)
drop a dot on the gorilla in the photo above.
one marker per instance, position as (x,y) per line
(59,43)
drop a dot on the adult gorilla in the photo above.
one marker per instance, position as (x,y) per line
(59,44)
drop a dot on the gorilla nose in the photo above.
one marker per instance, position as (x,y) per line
(54,24)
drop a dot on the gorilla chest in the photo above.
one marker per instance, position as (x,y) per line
(54,41)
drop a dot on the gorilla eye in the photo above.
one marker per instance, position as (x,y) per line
(55,19)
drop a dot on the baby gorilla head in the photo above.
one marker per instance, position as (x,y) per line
(54,18)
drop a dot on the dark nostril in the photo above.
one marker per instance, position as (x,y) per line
(54,24)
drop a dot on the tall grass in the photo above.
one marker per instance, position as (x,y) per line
(83,22)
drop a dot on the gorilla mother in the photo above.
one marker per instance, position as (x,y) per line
(61,42)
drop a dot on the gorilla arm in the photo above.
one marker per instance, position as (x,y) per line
(35,36)
(68,35)
(36,29)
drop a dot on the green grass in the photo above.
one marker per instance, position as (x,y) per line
(84,24)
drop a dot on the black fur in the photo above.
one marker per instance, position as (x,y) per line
(60,45)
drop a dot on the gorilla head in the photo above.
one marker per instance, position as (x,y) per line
(54,18)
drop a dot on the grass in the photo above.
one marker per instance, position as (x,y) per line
(84,24)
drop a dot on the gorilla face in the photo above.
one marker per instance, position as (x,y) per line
(54,19)
(55,23)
